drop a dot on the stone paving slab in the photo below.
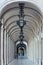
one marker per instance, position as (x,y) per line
(22,62)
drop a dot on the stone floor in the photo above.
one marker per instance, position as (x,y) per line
(21,62)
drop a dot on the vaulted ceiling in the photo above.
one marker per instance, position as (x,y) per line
(32,17)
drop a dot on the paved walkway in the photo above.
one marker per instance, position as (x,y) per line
(21,62)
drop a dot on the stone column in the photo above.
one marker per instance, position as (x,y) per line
(5,46)
(40,47)
(7,49)
(0,42)
(42,43)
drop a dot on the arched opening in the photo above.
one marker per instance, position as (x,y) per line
(21,49)
(10,32)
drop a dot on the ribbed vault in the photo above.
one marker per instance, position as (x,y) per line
(32,16)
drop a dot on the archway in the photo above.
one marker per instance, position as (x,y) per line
(10,30)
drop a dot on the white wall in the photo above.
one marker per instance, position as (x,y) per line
(8,49)
(34,51)
(11,50)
